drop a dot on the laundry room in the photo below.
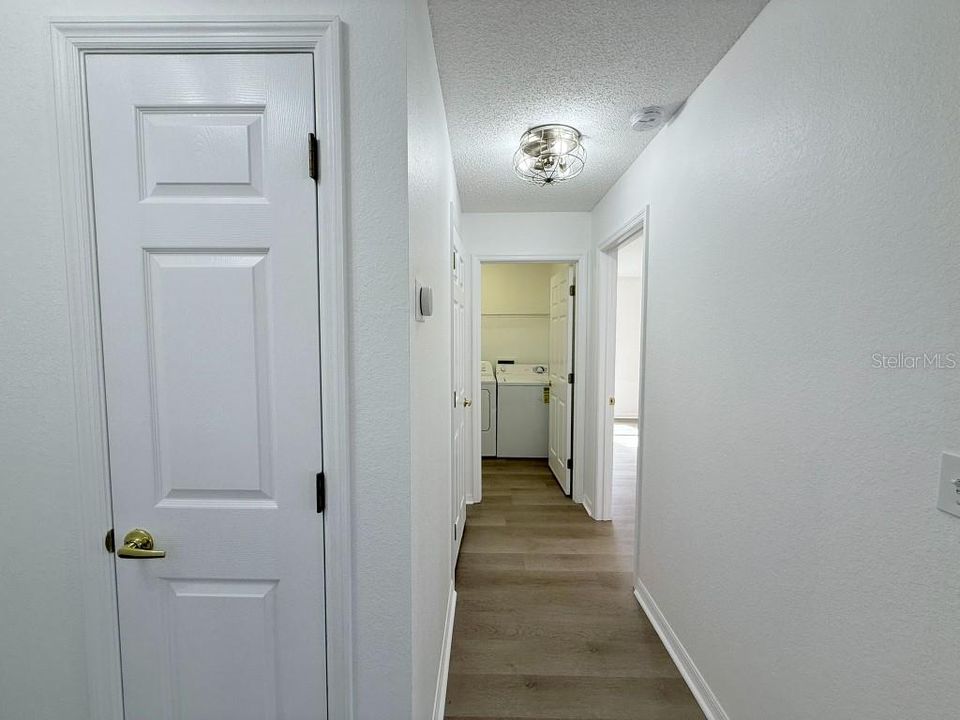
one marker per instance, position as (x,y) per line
(526,341)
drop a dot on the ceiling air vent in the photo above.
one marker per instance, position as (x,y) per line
(647,118)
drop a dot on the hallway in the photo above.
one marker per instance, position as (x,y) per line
(546,622)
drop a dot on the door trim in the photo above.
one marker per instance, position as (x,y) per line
(606,349)
(470,442)
(581,321)
(72,39)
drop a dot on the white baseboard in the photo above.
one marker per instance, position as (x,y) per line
(698,686)
(440,699)
(588,507)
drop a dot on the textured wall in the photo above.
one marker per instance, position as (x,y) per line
(527,233)
(41,630)
(41,635)
(804,214)
(432,188)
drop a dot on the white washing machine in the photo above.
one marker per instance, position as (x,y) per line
(488,410)
(523,410)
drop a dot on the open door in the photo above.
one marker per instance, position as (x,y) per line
(562,297)
(462,381)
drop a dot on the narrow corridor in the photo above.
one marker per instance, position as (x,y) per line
(546,622)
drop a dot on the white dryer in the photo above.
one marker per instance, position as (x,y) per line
(488,410)
(523,410)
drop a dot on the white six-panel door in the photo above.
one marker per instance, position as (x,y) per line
(462,382)
(206,223)
(561,390)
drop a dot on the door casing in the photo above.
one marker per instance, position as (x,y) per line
(462,388)
(635,227)
(72,39)
(582,311)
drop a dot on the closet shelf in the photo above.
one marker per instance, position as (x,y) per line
(539,315)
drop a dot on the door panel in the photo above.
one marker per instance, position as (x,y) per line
(212,407)
(207,255)
(561,365)
(225,157)
(197,646)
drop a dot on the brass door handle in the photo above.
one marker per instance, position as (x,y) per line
(139,544)
(467,403)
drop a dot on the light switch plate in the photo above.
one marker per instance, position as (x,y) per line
(949,500)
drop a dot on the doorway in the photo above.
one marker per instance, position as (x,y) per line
(624,507)
(212,371)
(622,275)
(626,384)
(526,356)
(207,392)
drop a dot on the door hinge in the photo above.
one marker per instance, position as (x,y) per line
(570,379)
(313,152)
(321,492)
(454,532)
(569,463)
(573,290)
(108,541)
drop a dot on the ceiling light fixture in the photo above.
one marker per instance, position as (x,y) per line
(549,154)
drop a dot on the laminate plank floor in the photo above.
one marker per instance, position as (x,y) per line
(547,627)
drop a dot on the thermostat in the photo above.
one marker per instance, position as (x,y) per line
(423,302)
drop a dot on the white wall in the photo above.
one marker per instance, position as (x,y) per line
(432,189)
(534,233)
(627,358)
(41,633)
(804,214)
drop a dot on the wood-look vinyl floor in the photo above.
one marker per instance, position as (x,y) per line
(547,627)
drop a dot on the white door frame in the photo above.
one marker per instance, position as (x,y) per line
(72,39)
(581,325)
(606,350)
(470,444)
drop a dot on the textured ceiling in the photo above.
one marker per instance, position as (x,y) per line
(506,65)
